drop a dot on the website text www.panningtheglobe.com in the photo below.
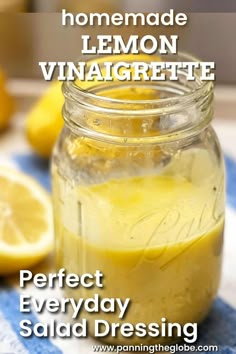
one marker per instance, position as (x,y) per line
(156,348)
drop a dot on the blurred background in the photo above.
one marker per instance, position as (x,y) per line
(28,38)
(127,5)
(30,108)
(31,31)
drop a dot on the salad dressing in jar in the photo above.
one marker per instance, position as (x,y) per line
(138,189)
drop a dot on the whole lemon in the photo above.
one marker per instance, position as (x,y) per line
(44,121)
(6,104)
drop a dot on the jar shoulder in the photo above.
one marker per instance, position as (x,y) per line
(94,161)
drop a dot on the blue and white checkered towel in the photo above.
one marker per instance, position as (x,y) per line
(218,329)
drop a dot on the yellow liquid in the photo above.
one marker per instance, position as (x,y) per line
(157,241)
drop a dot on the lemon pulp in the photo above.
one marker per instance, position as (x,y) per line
(26,234)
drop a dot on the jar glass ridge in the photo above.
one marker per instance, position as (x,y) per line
(189,101)
(138,190)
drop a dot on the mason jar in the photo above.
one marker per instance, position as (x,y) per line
(138,190)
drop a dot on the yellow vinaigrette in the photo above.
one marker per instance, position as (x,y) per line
(154,238)
(138,190)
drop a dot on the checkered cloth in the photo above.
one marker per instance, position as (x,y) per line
(218,329)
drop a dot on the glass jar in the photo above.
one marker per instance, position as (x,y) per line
(138,189)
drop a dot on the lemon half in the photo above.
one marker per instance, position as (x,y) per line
(26,227)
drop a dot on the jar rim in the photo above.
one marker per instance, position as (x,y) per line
(74,92)
(181,116)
